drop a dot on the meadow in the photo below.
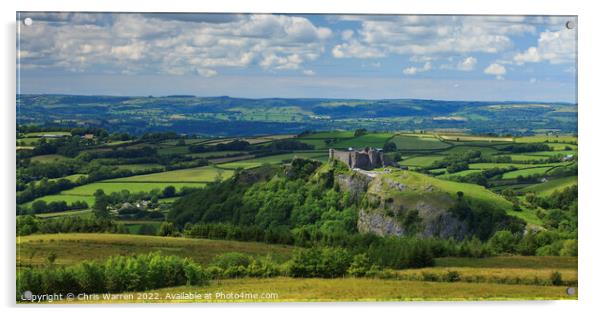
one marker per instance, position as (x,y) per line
(284,289)
(72,248)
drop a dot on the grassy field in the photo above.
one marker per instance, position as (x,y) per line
(404,142)
(285,289)
(470,138)
(64,197)
(528,262)
(525,172)
(420,161)
(199,174)
(110,187)
(550,186)
(74,247)
(276,159)
(139,167)
(376,140)
(474,191)
(78,213)
(38,134)
(49,158)
(546,138)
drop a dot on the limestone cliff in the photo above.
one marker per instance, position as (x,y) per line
(390,205)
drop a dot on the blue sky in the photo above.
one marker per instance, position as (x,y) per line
(317,56)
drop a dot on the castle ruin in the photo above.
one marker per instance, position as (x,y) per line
(367,159)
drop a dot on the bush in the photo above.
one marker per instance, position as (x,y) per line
(232,260)
(359,266)
(452,276)
(116,274)
(556,278)
(569,248)
(503,241)
(320,263)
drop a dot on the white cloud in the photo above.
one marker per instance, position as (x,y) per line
(347,34)
(467,64)
(309,72)
(147,43)
(496,69)
(429,35)
(532,80)
(555,47)
(414,70)
(207,73)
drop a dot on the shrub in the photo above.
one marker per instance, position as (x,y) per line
(320,262)
(359,266)
(452,276)
(569,248)
(232,260)
(503,241)
(116,274)
(556,278)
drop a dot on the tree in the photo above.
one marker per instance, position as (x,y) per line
(169,191)
(39,206)
(167,229)
(101,204)
(390,146)
(359,266)
(360,132)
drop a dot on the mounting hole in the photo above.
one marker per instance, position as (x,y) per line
(570,25)
(28,21)
(570,291)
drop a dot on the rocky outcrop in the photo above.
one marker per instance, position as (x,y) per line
(391,207)
(356,183)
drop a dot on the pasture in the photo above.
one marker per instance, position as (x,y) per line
(525,172)
(547,188)
(110,187)
(285,289)
(191,175)
(404,142)
(73,248)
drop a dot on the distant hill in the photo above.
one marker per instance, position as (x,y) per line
(226,116)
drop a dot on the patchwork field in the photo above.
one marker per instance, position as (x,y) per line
(192,175)
(110,187)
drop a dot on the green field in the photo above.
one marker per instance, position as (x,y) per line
(110,187)
(476,192)
(404,142)
(72,248)
(140,167)
(525,172)
(275,159)
(69,198)
(198,174)
(485,150)
(545,138)
(547,188)
(420,161)
(49,158)
(76,213)
(376,140)
(39,134)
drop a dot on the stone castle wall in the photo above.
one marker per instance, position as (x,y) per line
(366,159)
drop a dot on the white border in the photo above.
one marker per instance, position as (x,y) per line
(589,129)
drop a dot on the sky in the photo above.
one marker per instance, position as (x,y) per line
(477,58)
